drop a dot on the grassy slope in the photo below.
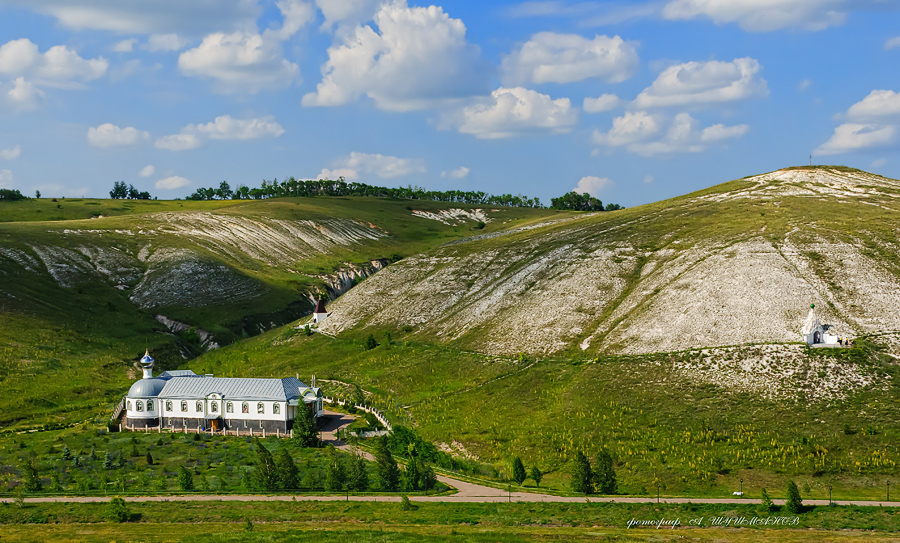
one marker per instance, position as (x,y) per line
(695,439)
(65,352)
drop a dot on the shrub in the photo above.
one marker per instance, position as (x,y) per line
(518,471)
(117,510)
(407,505)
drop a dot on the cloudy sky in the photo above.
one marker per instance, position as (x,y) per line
(630,101)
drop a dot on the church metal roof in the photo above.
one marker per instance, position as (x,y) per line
(233,388)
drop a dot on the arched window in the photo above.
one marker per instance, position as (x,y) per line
(183,406)
(199,407)
(140,405)
(261,408)
(168,405)
(149,405)
(245,407)
(128,405)
(214,407)
(229,407)
(276,408)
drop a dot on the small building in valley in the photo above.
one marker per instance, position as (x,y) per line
(180,400)
(319,313)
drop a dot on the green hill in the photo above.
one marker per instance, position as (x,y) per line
(81,298)
(668,333)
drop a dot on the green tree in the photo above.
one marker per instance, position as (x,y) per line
(287,471)
(518,471)
(117,510)
(107,461)
(371,343)
(387,474)
(119,191)
(185,479)
(582,476)
(358,478)
(794,502)
(427,477)
(604,474)
(32,482)
(66,453)
(536,475)
(413,474)
(265,474)
(37,194)
(335,473)
(306,432)
(149,459)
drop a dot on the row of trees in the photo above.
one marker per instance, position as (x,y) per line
(12,195)
(599,478)
(581,202)
(339,187)
(121,191)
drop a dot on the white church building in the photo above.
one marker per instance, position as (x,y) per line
(182,400)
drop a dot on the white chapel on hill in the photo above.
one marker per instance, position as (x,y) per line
(181,399)
(816,333)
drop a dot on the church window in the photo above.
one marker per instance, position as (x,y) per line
(214,407)
(149,405)
(168,405)
(199,407)
(276,408)
(261,408)
(140,405)
(229,407)
(128,405)
(245,407)
(183,406)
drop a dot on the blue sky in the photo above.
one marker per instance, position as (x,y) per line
(631,101)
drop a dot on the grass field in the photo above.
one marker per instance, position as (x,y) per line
(355,521)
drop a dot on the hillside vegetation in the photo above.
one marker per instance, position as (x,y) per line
(668,334)
(81,297)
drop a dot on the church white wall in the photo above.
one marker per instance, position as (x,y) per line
(133,413)
(221,406)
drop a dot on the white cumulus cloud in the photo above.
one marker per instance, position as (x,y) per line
(549,57)
(593,185)
(346,12)
(240,62)
(124,46)
(873,122)
(59,66)
(21,95)
(458,173)
(346,173)
(853,137)
(172,182)
(892,43)
(11,153)
(384,166)
(704,83)
(110,135)
(514,111)
(762,16)
(147,171)
(604,102)
(648,135)
(224,127)
(418,57)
